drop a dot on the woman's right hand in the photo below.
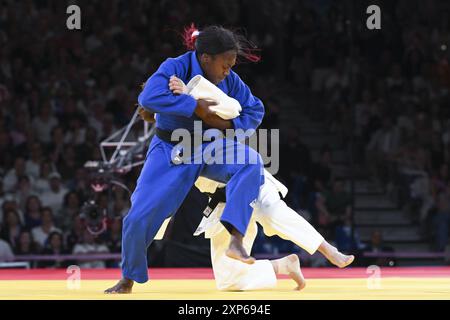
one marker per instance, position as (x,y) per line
(146,115)
(210,117)
(203,111)
(177,86)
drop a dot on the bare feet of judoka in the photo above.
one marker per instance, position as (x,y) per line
(290,265)
(236,250)
(123,286)
(334,256)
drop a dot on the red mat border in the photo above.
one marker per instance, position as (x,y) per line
(206,273)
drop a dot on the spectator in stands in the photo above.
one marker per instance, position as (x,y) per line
(2,198)
(75,234)
(33,208)
(321,215)
(44,123)
(108,126)
(381,149)
(339,203)
(41,233)
(56,146)
(442,219)
(86,150)
(42,184)
(295,163)
(377,245)
(321,172)
(440,180)
(345,242)
(6,253)
(114,235)
(272,116)
(403,75)
(113,240)
(32,165)
(76,134)
(54,245)
(68,163)
(24,191)
(6,146)
(54,198)
(88,245)
(11,180)
(121,206)
(11,227)
(80,183)
(26,244)
(20,132)
(10,203)
(71,208)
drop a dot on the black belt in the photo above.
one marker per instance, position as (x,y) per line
(215,198)
(165,136)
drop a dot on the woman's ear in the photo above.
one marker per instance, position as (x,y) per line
(205,58)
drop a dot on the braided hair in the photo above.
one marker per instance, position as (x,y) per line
(216,39)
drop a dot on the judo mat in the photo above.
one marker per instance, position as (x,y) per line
(198,284)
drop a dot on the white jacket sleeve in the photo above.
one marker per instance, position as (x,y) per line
(227,108)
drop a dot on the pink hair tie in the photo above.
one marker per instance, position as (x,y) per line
(195,34)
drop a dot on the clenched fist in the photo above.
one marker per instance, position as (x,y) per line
(146,115)
(177,86)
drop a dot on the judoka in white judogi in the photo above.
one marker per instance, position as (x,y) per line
(270,211)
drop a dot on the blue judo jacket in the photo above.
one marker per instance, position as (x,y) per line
(177,111)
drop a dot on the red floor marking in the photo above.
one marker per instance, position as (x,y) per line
(205,273)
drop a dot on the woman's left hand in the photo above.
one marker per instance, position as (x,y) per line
(177,86)
(146,115)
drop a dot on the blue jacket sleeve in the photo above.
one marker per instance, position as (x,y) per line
(157,97)
(252,108)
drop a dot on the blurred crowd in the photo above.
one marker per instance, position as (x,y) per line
(63,91)
(387,88)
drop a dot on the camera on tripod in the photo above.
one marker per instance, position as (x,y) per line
(94,216)
(128,151)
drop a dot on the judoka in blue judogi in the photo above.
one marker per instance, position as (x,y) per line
(163,183)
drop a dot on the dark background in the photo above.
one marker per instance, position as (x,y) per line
(363,116)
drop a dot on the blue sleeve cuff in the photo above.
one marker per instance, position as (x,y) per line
(190,104)
(237,123)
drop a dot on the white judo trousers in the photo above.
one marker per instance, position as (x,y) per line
(270,211)
(276,218)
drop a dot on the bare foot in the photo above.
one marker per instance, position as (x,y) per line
(290,265)
(237,251)
(123,286)
(293,266)
(339,259)
(239,255)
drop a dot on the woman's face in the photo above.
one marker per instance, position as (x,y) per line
(33,204)
(56,241)
(444,170)
(73,201)
(45,169)
(12,219)
(47,217)
(116,226)
(25,238)
(217,67)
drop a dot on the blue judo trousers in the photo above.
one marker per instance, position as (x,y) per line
(163,185)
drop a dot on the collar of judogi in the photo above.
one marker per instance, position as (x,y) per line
(195,66)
